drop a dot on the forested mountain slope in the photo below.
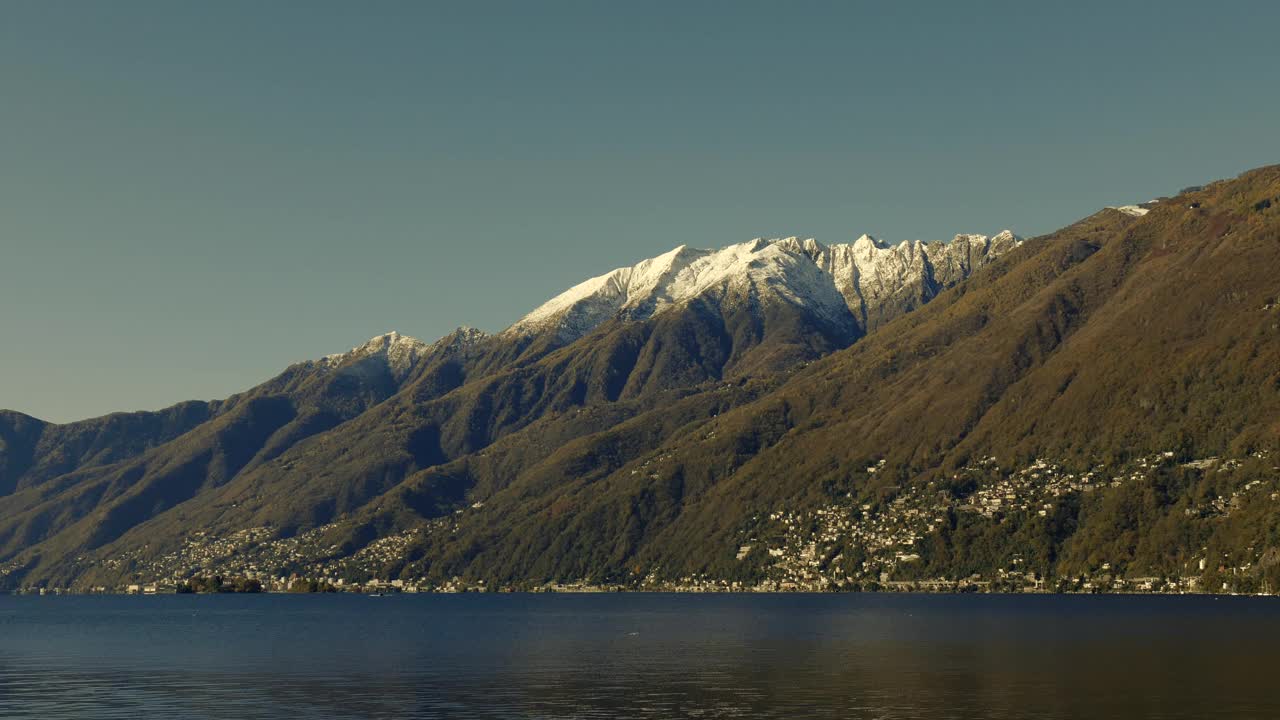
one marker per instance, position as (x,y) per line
(1133,348)
(1080,409)
(325,437)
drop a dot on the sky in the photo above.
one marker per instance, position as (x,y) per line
(194,195)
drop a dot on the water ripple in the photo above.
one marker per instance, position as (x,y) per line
(890,658)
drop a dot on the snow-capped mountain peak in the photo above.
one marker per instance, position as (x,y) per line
(384,343)
(401,353)
(843,283)
(866,243)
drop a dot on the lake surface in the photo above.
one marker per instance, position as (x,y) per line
(640,656)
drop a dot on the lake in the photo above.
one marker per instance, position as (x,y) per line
(640,656)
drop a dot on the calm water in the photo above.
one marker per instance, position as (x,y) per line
(639,656)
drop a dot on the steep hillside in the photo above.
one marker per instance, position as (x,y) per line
(1080,408)
(32,451)
(97,495)
(1122,338)
(326,437)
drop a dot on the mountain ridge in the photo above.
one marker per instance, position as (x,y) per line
(746,437)
(765,270)
(414,405)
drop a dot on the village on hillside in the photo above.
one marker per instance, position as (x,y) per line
(886,544)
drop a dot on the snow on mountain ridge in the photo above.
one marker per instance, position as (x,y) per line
(834,281)
(842,283)
(401,352)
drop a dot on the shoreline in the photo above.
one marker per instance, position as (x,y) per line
(653,591)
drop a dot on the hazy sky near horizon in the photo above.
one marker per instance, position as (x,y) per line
(194,195)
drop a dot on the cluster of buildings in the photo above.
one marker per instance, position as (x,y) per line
(850,543)
(877,545)
(303,562)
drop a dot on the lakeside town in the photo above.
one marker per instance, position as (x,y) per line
(851,544)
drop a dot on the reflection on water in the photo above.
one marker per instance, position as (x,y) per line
(642,656)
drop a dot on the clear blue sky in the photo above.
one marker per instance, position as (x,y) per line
(194,195)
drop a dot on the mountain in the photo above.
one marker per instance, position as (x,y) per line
(326,436)
(32,451)
(1075,410)
(1104,396)
(854,287)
